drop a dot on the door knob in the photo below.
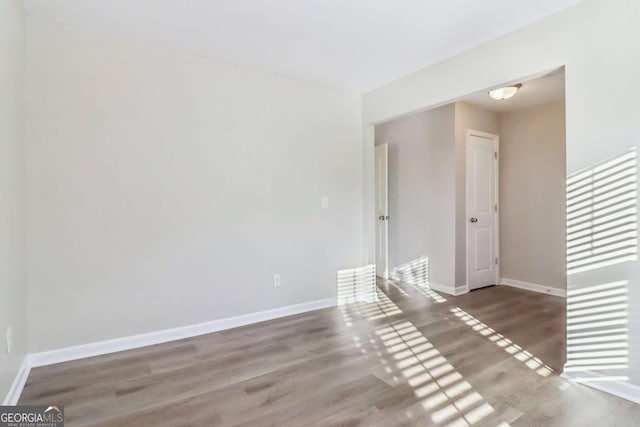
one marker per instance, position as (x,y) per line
(472,220)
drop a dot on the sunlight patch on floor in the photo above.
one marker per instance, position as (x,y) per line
(443,392)
(503,342)
(380,309)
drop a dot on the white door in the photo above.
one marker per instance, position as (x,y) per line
(482,209)
(382,211)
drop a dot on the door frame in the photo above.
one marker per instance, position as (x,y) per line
(496,218)
(382,274)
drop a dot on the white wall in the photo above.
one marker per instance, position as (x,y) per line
(421,191)
(12,293)
(597,42)
(467,117)
(532,195)
(166,189)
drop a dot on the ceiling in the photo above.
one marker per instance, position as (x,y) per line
(539,91)
(349,44)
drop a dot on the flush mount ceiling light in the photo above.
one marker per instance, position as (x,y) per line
(506,92)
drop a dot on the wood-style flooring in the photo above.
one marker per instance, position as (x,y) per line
(414,358)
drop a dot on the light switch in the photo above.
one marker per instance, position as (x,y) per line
(9,337)
(325,202)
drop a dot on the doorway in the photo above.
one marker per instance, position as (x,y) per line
(482,209)
(382,210)
(449,232)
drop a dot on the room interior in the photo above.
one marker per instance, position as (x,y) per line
(188,212)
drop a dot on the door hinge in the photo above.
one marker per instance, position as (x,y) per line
(495,155)
(495,208)
(496,260)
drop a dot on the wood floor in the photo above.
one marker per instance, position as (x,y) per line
(415,358)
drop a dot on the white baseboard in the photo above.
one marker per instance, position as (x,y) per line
(622,389)
(449,290)
(534,287)
(19,381)
(158,337)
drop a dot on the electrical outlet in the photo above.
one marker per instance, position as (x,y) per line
(9,339)
(277,281)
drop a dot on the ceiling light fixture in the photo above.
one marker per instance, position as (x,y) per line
(506,92)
